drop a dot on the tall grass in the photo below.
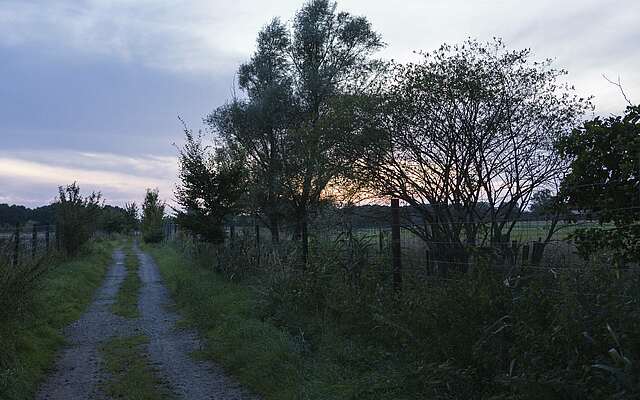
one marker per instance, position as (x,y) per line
(329,333)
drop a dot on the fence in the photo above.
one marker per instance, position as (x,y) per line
(395,249)
(26,242)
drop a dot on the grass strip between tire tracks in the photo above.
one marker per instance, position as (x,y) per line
(131,376)
(126,304)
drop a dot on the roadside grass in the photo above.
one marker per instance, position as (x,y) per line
(29,342)
(255,352)
(126,304)
(131,378)
(311,359)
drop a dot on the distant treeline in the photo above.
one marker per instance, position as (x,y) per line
(110,218)
(13,214)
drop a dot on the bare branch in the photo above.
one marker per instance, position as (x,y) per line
(619,85)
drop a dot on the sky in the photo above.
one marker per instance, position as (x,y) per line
(91,91)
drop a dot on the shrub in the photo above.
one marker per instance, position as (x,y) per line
(76,217)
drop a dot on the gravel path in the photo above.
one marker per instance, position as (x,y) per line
(78,371)
(170,348)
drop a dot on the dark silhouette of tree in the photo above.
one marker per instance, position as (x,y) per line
(466,137)
(132,220)
(112,219)
(152,217)
(291,82)
(257,127)
(76,217)
(211,186)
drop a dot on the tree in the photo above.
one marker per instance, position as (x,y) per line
(257,126)
(325,54)
(131,217)
(112,219)
(465,138)
(604,182)
(76,217)
(152,217)
(211,185)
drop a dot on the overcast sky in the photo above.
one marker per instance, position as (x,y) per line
(90,90)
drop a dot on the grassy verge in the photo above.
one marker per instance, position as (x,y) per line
(255,352)
(126,304)
(28,344)
(131,376)
(278,361)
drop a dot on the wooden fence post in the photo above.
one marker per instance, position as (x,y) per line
(16,248)
(46,238)
(525,254)
(395,244)
(257,242)
(34,241)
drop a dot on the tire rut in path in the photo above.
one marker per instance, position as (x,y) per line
(170,349)
(78,371)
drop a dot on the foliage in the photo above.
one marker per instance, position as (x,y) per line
(210,188)
(257,126)
(466,138)
(112,219)
(290,82)
(14,214)
(76,217)
(564,334)
(152,217)
(18,283)
(604,181)
(131,221)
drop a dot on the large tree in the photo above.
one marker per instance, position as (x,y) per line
(291,82)
(257,126)
(465,138)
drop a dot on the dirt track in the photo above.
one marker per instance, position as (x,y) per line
(78,372)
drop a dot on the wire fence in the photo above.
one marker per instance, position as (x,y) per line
(542,245)
(24,243)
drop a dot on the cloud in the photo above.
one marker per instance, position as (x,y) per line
(33,178)
(196,36)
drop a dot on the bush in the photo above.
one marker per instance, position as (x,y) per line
(76,217)
(546,334)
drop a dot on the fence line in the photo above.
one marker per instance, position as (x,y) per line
(26,242)
(395,249)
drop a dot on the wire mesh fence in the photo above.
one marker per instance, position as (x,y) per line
(532,244)
(23,243)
